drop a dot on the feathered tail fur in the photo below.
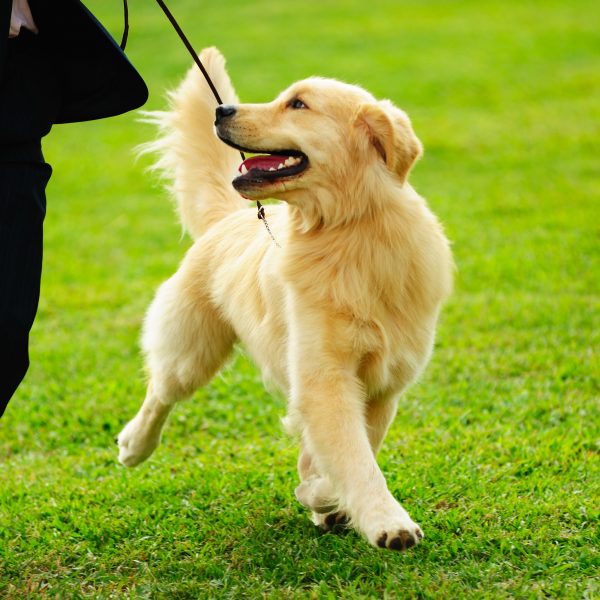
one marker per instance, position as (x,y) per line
(199,166)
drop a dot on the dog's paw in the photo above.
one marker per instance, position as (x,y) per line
(397,532)
(136,443)
(317,495)
(333,521)
(400,539)
(386,524)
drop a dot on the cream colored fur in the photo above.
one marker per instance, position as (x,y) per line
(341,317)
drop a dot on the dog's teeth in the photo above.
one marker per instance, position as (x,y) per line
(281,166)
(272,169)
(244,170)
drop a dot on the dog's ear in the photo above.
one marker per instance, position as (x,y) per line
(390,132)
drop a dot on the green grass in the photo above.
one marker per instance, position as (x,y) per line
(494,452)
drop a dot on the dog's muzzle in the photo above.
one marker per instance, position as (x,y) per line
(223,112)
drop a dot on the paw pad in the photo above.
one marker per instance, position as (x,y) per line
(334,520)
(400,540)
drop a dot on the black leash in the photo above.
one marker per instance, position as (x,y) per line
(260,208)
(125,25)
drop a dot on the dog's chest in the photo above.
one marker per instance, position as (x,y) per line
(390,350)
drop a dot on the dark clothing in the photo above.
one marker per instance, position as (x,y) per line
(22,211)
(30,93)
(5,9)
(71,71)
(95,77)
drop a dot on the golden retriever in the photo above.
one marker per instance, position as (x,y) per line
(341,314)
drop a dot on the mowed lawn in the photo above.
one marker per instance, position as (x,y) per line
(494,452)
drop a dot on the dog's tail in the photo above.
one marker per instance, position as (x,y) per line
(198,165)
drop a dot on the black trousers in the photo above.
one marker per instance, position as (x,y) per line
(29,100)
(22,211)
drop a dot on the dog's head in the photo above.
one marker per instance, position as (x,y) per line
(319,134)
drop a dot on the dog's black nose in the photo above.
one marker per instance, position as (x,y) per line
(224,111)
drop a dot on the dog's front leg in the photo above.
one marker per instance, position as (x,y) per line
(329,407)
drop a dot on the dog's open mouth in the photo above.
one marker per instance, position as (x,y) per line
(266,167)
(269,167)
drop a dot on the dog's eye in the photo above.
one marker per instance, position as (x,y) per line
(296,104)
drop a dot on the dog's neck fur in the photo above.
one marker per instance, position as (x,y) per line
(326,208)
(376,258)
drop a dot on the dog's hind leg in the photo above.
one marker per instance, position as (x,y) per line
(315,491)
(141,435)
(381,410)
(185,342)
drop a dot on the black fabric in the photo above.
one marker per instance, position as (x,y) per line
(71,71)
(95,77)
(29,102)
(5,6)
(30,91)
(22,211)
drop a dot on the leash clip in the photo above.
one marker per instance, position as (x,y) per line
(262,217)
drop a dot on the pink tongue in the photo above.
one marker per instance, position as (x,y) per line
(263,162)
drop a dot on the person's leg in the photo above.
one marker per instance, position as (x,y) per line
(22,211)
